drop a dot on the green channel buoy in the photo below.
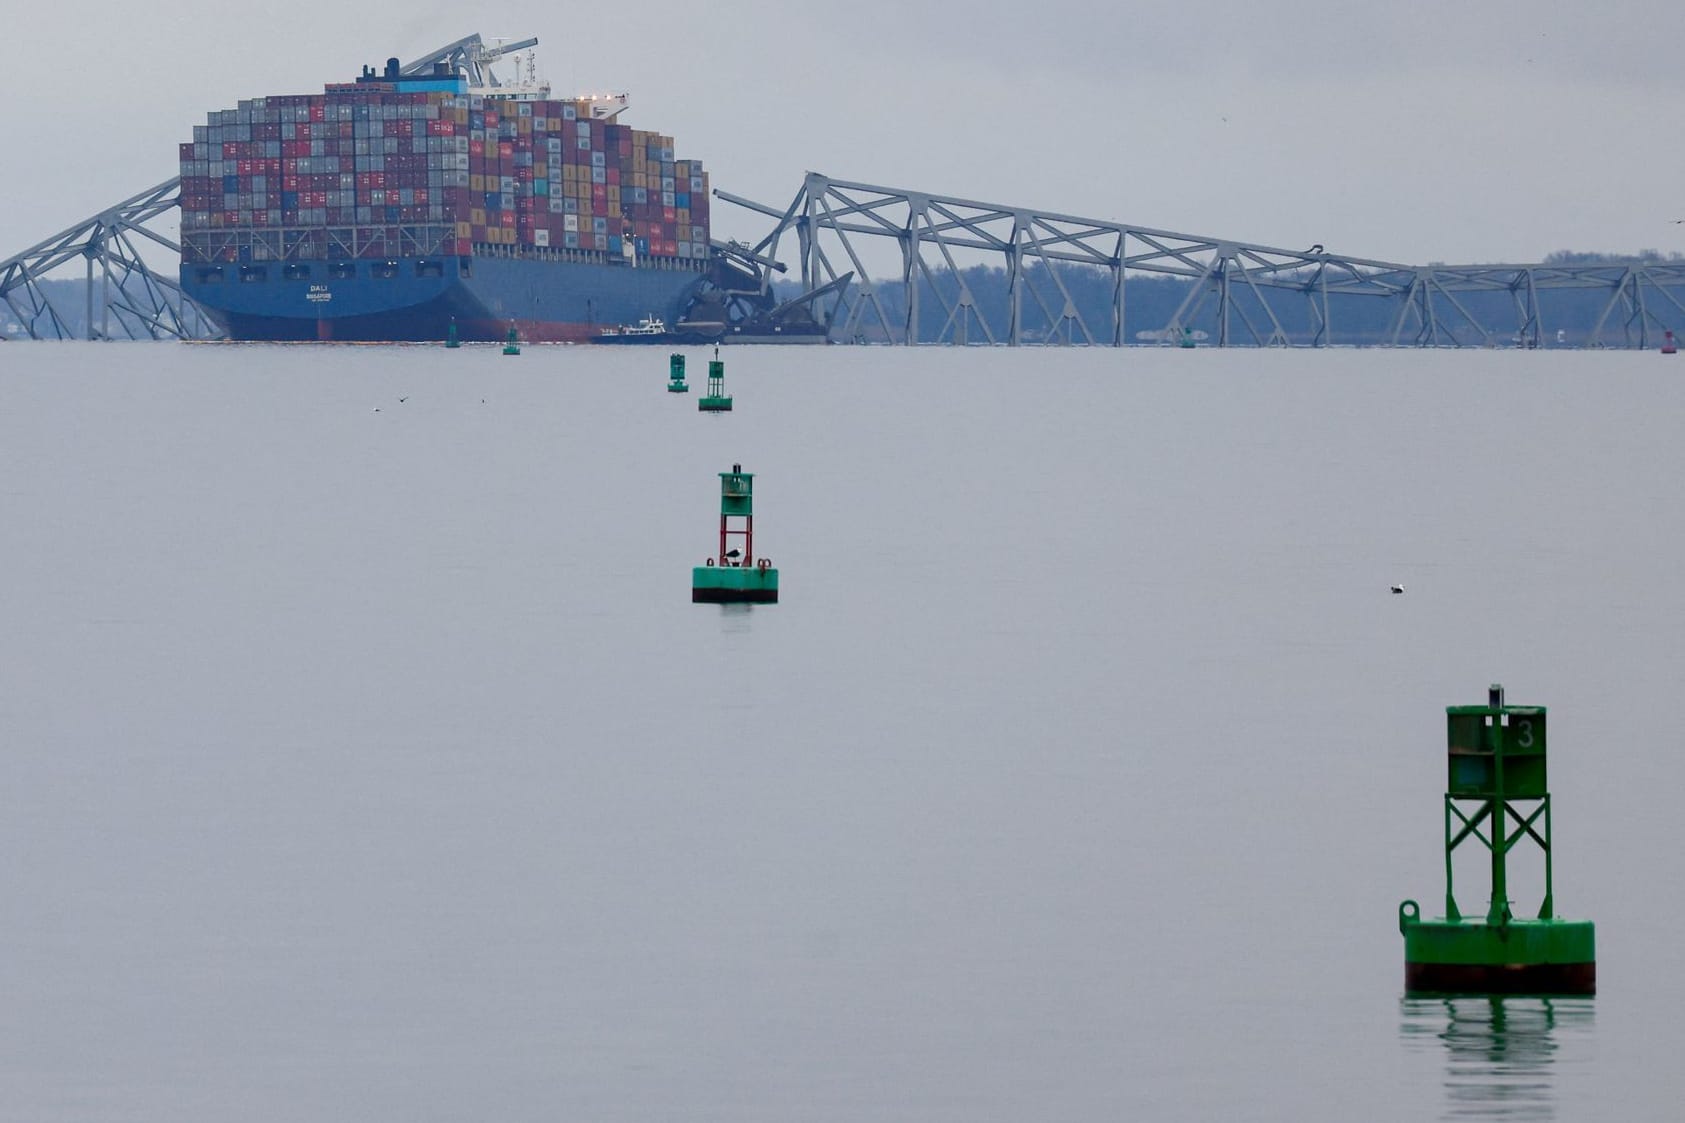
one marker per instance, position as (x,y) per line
(735,575)
(715,400)
(676,374)
(1496,795)
(451,338)
(513,346)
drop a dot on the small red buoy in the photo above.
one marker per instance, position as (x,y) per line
(1669,347)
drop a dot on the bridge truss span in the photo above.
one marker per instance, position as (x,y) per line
(1231,293)
(122,296)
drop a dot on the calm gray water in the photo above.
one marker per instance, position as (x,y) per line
(367,765)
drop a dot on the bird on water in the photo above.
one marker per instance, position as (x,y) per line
(1397,588)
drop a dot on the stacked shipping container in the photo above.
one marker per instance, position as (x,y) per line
(366,170)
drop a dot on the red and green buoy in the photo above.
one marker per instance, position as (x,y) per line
(676,374)
(1496,795)
(716,400)
(735,575)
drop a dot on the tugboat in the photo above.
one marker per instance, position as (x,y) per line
(653,329)
(641,332)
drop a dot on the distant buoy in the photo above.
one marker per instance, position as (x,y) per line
(451,338)
(734,575)
(716,400)
(1669,347)
(676,374)
(513,347)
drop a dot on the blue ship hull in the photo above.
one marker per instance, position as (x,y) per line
(416,299)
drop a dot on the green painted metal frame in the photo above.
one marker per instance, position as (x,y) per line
(1496,759)
(716,400)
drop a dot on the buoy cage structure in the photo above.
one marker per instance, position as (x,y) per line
(716,400)
(735,575)
(1496,796)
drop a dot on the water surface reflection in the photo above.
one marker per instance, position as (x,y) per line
(1500,1051)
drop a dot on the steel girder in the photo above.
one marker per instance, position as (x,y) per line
(1243,290)
(134,301)
(471,56)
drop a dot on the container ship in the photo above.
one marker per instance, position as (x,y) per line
(391,207)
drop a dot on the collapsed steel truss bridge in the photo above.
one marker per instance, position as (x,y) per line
(123,297)
(1047,267)
(1234,293)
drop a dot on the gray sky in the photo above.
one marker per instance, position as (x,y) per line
(1443,131)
